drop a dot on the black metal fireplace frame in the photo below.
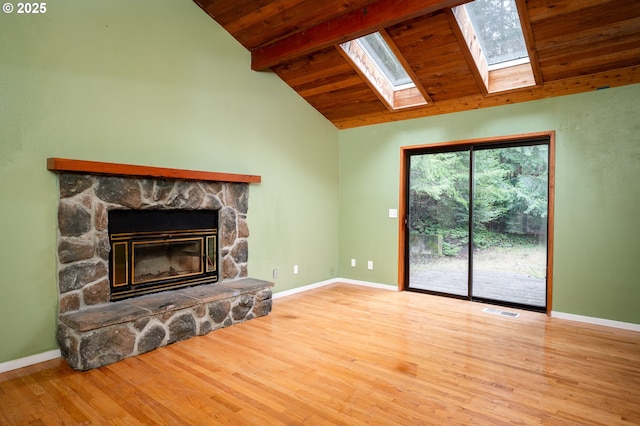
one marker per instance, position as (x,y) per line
(129,229)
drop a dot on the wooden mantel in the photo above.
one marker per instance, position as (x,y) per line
(100,168)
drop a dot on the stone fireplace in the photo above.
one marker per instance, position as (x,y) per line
(126,291)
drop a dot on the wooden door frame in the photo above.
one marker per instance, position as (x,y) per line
(402,204)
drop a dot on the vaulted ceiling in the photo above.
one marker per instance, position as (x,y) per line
(574,46)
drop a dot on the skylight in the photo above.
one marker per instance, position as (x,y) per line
(374,58)
(497,26)
(385,60)
(495,39)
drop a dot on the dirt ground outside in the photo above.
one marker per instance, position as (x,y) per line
(510,274)
(527,260)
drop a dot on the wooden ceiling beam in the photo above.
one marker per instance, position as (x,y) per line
(366,20)
(569,86)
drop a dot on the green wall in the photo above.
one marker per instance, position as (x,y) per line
(154,83)
(597,193)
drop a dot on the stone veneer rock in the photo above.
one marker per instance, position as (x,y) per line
(83,239)
(83,259)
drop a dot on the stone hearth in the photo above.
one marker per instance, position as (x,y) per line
(92,330)
(111,332)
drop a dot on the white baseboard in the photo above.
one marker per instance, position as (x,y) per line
(596,321)
(301,289)
(367,284)
(332,281)
(29,360)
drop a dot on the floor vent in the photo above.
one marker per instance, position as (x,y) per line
(501,312)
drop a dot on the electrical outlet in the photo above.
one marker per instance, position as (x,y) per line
(353,263)
(370,264)
(275,273)
(295,269)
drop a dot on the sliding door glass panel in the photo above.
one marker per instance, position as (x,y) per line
(438,222)
(510,203)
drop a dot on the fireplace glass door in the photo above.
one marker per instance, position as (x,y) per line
(160,250)
(160,260)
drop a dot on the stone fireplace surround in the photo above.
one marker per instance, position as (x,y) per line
(92,331)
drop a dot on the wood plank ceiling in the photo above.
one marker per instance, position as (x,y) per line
(574,46)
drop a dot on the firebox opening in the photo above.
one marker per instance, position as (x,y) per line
(156,250)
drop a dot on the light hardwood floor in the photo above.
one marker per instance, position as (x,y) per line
(351,355)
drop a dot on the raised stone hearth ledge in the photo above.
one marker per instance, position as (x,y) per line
(104,334)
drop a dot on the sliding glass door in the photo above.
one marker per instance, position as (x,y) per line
(477,222)
(439,222)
